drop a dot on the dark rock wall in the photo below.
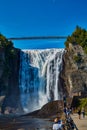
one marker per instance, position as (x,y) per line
(9,80)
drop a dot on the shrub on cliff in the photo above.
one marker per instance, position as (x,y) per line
(83,102)
(79,36)
(4,43)
(7,46)
(77,58)
(79,102)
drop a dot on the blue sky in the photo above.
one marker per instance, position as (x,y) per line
(41,18)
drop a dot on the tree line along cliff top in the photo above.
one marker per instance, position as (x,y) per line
(79,36)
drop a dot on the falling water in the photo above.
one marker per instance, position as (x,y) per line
(38,77)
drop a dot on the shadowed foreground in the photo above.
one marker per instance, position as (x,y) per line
(37,120)
(24,123)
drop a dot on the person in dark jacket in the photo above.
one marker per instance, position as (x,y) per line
(79,113)
(83,112)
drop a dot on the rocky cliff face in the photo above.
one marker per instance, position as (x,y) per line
(9,72)
(74,73)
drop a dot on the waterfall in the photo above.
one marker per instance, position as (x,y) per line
(38,77)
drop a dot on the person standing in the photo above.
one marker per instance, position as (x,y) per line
(83,112)
(64,100)
(79,113)
(57,124)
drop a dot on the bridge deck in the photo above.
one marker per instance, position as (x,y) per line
(38,38)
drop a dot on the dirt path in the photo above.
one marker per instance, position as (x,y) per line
(80,123)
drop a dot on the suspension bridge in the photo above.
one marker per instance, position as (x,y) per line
(38,38)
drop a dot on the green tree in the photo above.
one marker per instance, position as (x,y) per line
(83,102)
(79,36)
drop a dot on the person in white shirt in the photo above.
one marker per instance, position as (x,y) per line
(57,124)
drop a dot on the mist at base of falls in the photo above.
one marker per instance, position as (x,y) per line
(39,76)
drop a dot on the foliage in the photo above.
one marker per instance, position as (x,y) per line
(77,58)
(79,36)
(4,43)
(8,46)
(83,103)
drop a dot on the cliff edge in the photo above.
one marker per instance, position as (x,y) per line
(74,73)
(9,72)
